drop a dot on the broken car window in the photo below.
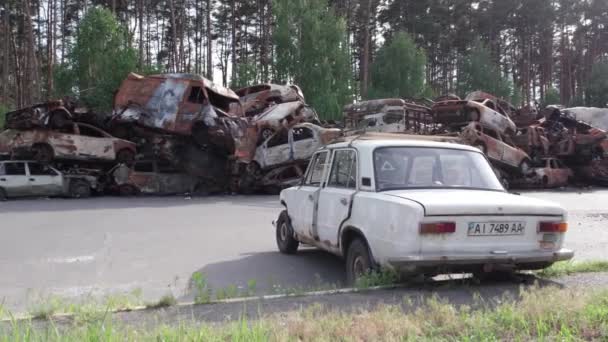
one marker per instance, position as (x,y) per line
(280,138)
(344,170)
(144,167)
(37,169)
(301,133)
(90,132)
(14,169)
(196,95)
(317,166)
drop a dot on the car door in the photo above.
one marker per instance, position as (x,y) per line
(307,196)
(44,180)
(494,146)
(94,143)
(336,196)
(14,179)
(304,143)
(276,150)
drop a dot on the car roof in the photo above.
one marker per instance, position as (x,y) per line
(374,140)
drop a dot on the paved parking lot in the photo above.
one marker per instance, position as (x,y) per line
(98,246)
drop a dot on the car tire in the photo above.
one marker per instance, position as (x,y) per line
(127,190)
(43,153)
(358,260)
(80,189)
(3,196)
(286,240)
(125,156)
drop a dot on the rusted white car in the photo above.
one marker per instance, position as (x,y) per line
(553,173)
(417,206)
(500,149)
(23,178)
(458,113)
(77,141)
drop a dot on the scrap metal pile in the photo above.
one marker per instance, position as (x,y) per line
(175,133)
(528,147)
(180,133)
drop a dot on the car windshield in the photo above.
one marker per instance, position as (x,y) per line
(421,168)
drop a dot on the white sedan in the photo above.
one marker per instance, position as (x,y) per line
(416,206)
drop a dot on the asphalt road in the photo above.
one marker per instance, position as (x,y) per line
(99,246)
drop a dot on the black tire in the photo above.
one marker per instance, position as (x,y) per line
(545,181)
(3,196)
(80,189)
(43,153)
(127,190)
(125,156)
(286,241)
(358,261)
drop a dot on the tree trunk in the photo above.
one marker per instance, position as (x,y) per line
(233,40)
(50,47)
(364,70)
(6,56)
(176,61)
(141,32)
(209,42)
(32,78)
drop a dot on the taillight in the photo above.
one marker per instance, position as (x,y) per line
(437,228)
(553,227)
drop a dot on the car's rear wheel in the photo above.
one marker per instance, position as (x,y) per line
(80,189)
(127,190)
(358,261)
(2,195)
(43,153)
(286,240)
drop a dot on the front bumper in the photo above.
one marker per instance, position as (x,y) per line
(466,259)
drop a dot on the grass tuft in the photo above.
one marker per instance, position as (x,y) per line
(571,267)
(163,302)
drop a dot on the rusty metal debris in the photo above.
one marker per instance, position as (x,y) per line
(193,135)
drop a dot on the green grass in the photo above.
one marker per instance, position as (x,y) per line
(571,267)
(548,313)
(163,302)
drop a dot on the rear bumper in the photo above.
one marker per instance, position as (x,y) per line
(467,260)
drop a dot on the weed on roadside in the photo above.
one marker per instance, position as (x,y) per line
(163,302)
(382,277)
(202,289)
(563,268)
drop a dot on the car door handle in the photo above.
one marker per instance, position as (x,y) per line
(344,201)
(311,197)
(33,179)
(2,179)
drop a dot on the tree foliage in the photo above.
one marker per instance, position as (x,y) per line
(551,97)
(100,60)
(312,51)
(597,87)
(398,70)
(477,71)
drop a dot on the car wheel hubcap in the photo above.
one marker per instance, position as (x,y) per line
(358,266)
(283,232)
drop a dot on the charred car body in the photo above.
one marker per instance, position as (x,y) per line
(388,116)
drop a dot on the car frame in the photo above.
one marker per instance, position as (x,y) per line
(69,143)
(500,149)
(553,173)
(42,180)
(417,230)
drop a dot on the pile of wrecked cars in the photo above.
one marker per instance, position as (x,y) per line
(528,147)
(174,134)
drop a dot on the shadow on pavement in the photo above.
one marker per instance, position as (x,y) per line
(308,269)
(110,202)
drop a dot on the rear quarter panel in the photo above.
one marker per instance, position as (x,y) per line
(390,224)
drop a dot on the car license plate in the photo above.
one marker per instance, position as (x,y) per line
(496,228)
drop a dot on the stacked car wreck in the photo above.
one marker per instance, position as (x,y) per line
(528,147)
(175,133)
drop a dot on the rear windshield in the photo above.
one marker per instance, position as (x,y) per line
(416,167)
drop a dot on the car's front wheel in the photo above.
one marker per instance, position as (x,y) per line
(358,261)
(80,189)
(286,241)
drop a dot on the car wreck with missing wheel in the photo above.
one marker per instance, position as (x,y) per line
(419,207)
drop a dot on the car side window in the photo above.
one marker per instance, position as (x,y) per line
(302,133)
(344,170)
(317,166)
(14,169)
(37,169)
(165,167)
(2,169)
(280,138)
(90,132)
(144,167)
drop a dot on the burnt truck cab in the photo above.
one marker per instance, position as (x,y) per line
(386,116)
(181,104)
